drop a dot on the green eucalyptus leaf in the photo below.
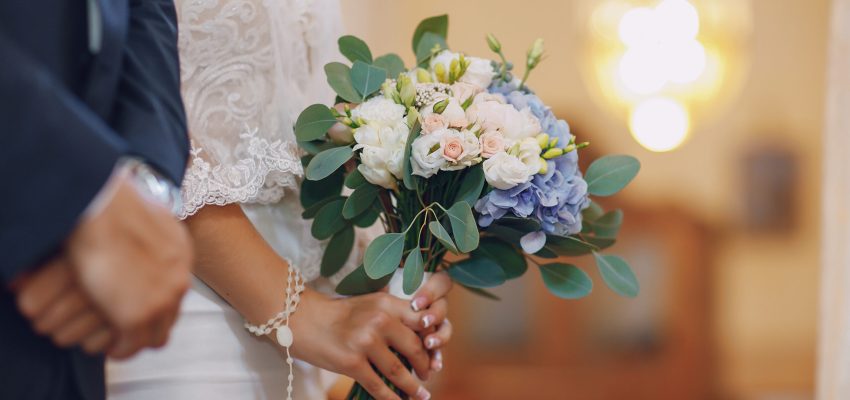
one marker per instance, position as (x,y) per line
(354,49)
(413,272)
(523,225)
(471,185)
(310,213)
(442,235)
(327,221)
(366,78)
(477,272)
(339,78)
(409,179)
(610,174)
(503,253)
(617,275)
(592,212)
(392,63)
(546,253)
(314,147)
(481,292)
(601,243)
(354,179)
(437,25)
(383,255)
(360,200)
(569,245)
(566,280)
(464,228)
(366,219)
(326,162)
(337,251)
(313,192)
(428,42)
(314,122)
(608,225)
(358,283)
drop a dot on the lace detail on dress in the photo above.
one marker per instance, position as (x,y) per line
(261,174)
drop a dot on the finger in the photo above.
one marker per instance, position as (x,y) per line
(163,329)
(391,366)
(373,384)
(435,314)
(406,342)
(439,338)
(124,347)
(78,328)
(98,341)
(437,286)
(436,360)
(40,290)
(61,312)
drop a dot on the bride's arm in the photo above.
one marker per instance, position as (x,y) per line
(341,335)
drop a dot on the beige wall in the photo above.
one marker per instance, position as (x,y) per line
(765,286)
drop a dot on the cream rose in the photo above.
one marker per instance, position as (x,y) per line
(455,115)
(426,155)
(379,111)
(479,73)
(493,114)
(528,152)
(492,142)
(462,91)
(504,171)
(433,122)
(460,148)
(374,167)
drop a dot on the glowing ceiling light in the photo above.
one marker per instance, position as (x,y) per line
(659,124)
(638,27)
(679,20)
(642,69)
(686,62)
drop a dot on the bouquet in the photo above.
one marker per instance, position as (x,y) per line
(466,168)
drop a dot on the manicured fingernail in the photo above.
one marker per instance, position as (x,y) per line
(437,363)
(422,394)
(427,321)
(432,342)
(418,303)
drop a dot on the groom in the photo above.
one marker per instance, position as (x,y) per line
(92,148)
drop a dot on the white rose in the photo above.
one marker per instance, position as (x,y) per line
(529,154)
(379,111)
(374,167)
(460,148)
(463,91)
(504,171)
(395,163)
(493,114)
(455,115)
(479,73)
(423,161)
(433,122)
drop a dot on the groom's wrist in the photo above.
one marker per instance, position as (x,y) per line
(148,183)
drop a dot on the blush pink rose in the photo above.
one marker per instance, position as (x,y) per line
(492,142)
(452,148)
(433,122)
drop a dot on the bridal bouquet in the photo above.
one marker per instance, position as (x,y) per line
(466,168)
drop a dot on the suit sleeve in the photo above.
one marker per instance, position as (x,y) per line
(149,110)
(55,155)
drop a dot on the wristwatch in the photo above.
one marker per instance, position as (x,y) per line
(153,185)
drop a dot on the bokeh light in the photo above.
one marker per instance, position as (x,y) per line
(660,124)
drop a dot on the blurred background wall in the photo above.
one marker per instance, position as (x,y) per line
(723,231)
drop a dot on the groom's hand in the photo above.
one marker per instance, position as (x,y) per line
(133,259)
(57,307)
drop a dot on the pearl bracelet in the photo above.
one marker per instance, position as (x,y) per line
(280,322)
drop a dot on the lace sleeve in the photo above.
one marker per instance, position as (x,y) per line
(233,78)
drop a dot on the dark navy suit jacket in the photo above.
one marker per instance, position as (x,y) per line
(82,83)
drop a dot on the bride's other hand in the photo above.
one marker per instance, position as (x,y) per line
(431,299)
(350,335)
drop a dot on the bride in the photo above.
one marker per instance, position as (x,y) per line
(248,68)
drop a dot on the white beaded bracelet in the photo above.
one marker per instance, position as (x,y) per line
(280,322)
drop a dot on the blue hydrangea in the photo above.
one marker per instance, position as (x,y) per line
(554,199)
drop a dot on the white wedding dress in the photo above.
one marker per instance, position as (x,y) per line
(248,68)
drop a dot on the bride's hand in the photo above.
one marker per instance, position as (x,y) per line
(351,334)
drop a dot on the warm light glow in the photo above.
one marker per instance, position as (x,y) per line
(661,47)
(660,124)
